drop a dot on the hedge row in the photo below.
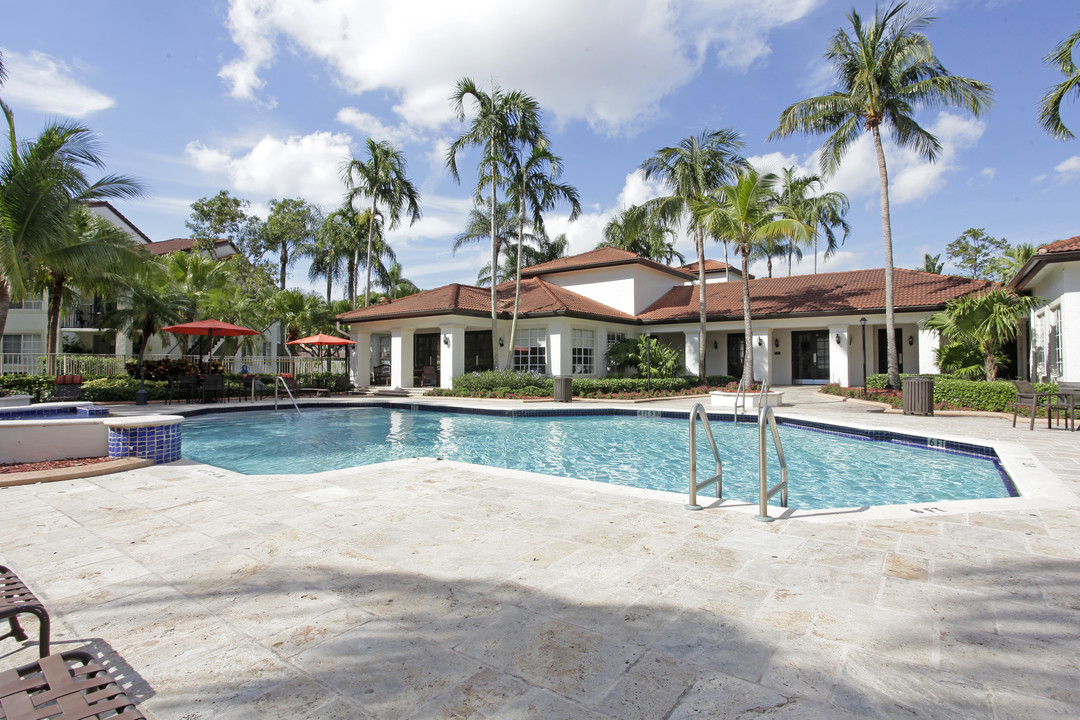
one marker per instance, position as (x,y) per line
(953,392)
(38,386)
(502,383)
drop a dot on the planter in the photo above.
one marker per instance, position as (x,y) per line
(727,399)
(15,400)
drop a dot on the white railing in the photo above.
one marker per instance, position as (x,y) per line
(34,364)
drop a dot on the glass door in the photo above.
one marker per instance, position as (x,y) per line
(810,357)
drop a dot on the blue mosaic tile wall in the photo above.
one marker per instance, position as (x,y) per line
(160,443)
(47,412)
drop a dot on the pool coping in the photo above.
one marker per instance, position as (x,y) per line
(1038,487)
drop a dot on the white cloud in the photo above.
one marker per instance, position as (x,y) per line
(637,190)
(1067,169)
(606,63)
(47,84)
(989,172)
(297,166)
(374,128)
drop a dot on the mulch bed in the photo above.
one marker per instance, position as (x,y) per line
(50,464)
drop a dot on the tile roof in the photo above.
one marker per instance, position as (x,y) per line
(710,266)
(821,294)
(538,297)
(599,257)
(164,247)
(1072,243)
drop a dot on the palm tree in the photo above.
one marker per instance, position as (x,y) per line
(886,70)
(535,188)
(820,210)
(691,169)
(330,252)
(42,182)
(503,122)
(638,231)
(745,212)
(151,302)
(1012,260)
(478,228)
(986,320)
(396,284)
(89,259)
(932,264)
(382,179)
(1061,58)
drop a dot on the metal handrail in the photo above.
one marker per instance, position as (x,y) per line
(766,417)
(698,411)
(762,393)
(277,379)
(740,399)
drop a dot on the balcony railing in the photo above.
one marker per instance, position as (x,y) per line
(82,317)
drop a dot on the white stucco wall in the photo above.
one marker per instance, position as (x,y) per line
(1059,285)
(629,288)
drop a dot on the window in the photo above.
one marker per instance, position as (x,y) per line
(1057,360)
(530,350)
(21,345)
(581,353)
(25,305)
(612,338)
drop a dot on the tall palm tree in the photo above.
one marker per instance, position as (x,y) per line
(886,70)
(42,182)
(329,251)
(638,231)
(396,284)
(151,301)
(478,228)
(91,258)
(1061,58)
(382,179)
(535,188)
(823,211)
(503,122)
(691,169)
(746,213)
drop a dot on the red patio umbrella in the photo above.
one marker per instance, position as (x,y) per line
(322,339)
(210,327)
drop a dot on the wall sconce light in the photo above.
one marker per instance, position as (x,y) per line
(776,342)
(910,339)
(446,340)
(715,345)
(761,342)
(500,342)
(837,338)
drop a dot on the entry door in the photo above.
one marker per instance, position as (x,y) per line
(736,354)
(478,351)
(810,357)
(883,351)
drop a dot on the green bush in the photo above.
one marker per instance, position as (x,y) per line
(39,387)
(949,392)
(165,368)
(326,380)
(494,379)
(122,389)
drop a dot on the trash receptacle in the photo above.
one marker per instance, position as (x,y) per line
(918,395)
(563,389)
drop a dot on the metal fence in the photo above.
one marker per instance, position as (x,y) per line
(41,364)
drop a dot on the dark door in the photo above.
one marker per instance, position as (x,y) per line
(425,354)
(810,357)
(478,351)
(883,351)
(736,354)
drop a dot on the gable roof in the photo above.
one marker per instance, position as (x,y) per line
(599,258)
(538,298)
(837,293)
(164,247)
(131,226)
(1060,251)
(712,266)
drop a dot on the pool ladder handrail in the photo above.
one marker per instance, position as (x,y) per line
(767,419)
(740,401)
(280,380)
(698,411)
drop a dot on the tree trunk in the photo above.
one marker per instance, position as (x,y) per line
(703,319)
(284,262)
(815,251)
(494,267)
(886,231)
(727,265)
(370,233)
(517,279)
(352,276)
(329,286)
(748,332)
(56,294)
(5,302)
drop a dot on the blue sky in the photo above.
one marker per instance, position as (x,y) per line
(266,98)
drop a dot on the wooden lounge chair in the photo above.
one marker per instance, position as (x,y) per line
(298,391)
(67,686)
(16,599)
(1029,398)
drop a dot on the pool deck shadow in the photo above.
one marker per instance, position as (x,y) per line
(432,589)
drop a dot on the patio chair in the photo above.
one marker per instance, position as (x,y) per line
(1070,391)
(1029,398)
(428,376)
(68,388)
(70,685)
(213,386)
(188,385)
(298,391)
(16,599)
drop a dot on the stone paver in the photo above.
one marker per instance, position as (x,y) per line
(432,589)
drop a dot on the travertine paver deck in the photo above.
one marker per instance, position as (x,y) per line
(430,589)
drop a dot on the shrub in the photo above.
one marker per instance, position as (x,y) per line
(122,389)
(166,368)
(327,380)
(492,379)
(37,386)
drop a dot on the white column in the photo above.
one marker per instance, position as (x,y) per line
(451,353)
(692,351)
(360,359)
(839,357)
(123,344)
(762,356)
(928,341)
(559,341)
(401,358)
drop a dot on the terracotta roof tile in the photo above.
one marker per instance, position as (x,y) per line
(710,266)
(538,297)
(824,293)
(1072,243)
(599,257)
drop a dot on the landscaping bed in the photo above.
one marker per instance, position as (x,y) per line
(50,464)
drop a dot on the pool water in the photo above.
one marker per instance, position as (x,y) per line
(824,470)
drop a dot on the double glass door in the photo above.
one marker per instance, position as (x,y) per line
(810,357)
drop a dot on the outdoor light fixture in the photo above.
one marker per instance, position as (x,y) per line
(776,342)
(910,339)
(446,340)
(500,342)
(862,321)
(715,345)
(760,342)
(837,338)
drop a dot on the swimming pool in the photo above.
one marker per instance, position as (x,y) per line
(826,470)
